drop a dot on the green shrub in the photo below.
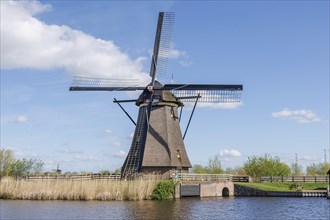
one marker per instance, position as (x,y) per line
(296,186)
(163,190)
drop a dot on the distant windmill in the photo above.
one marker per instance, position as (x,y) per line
(157,144)
(58,171)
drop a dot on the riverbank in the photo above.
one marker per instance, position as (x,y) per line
(287,186)
(106,190)
(77,190)
(279,190)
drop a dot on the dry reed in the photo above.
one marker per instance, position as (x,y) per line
(77,190)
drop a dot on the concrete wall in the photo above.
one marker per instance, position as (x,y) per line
(215,189)
(207,189)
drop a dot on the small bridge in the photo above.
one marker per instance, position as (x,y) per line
(206,185)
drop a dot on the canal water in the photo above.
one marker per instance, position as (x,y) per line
(186,208)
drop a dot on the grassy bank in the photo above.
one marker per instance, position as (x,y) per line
(286,186)
(77,190)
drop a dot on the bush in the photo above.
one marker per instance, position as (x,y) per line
(163,190)
(296,186)
(266,165)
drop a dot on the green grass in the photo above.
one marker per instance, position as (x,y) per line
(285,186)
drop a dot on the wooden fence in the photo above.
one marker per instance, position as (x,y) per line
(307,179)
(211,177)
(72,177)
(112,177)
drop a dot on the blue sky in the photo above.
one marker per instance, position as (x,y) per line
(278,50)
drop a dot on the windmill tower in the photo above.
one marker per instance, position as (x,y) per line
(157,144)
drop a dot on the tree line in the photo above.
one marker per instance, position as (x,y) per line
(265,165)
(255,166)
(10,166)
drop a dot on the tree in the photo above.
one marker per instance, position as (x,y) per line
(214,165)
(23,167)
(258,166)
(105,172)
(317,169)
(37,166)
(296,169)
(239,171)
(6,161)
(197,168)
(118,171)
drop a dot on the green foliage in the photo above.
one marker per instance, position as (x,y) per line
(197,168)
(238,171)
(296,186)
(21,167)
(163,190)
(9,166)
(118,171)
(296,169)
(214,167)
(6,161)
(105,172)
(316,169)
(266,165)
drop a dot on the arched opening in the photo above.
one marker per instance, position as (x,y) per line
(225,192)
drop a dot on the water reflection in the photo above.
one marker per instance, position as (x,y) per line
(186,208)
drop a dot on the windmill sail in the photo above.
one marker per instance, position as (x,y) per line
(162,46)
(208,93)
(158,67)
(101,84)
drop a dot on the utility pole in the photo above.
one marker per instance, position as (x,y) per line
(325,156)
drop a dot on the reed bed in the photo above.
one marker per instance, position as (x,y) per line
(77,190)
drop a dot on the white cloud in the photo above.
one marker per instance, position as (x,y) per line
(307,158)
(185,63)
(27,42)
(301,116)
(120,154)
(70,151)
(230,153)
(21,119)
(175,54)
(131,135)
(116,144)
(232,105)
(86,158)
(108,131)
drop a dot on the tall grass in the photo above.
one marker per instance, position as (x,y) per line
(77,190)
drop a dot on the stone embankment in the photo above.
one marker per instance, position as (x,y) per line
(248,191)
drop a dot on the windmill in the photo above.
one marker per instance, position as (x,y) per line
(157,144)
